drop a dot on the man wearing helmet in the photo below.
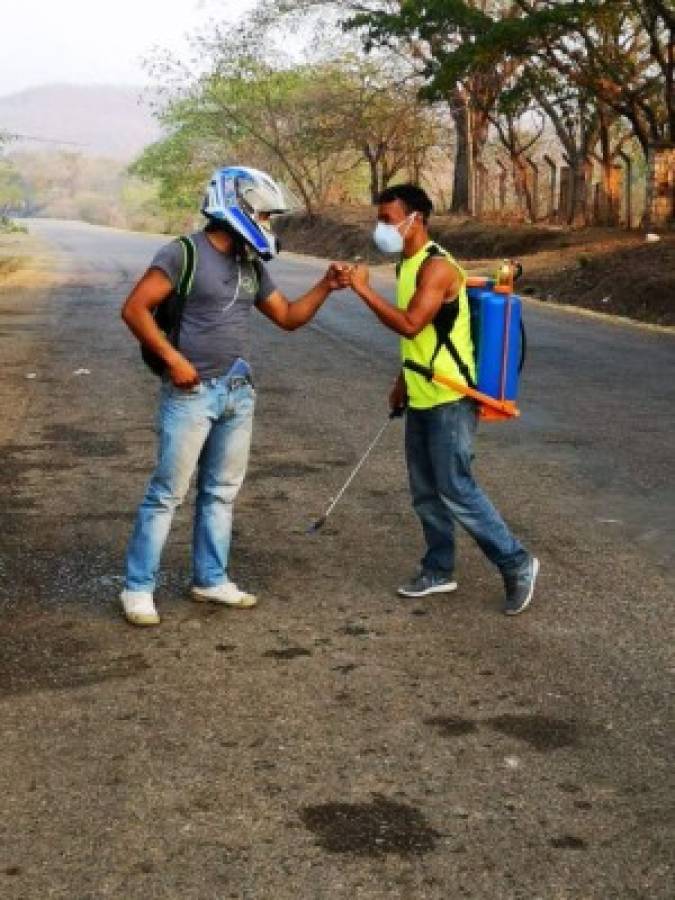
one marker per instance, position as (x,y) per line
(207,398)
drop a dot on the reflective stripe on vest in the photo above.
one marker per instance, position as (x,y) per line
(424,394)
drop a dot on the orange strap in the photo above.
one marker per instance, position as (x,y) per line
(490,408)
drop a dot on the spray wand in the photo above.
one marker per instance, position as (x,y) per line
(320,522)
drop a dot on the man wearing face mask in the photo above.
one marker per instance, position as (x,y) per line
(432,318)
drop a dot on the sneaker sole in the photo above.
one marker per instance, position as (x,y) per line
(439,589)
(246,602)
(141,621)
(528,599)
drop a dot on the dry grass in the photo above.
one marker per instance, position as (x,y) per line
(24,262)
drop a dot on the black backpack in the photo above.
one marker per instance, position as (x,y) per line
(168,314)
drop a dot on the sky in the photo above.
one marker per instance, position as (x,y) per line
(96,41)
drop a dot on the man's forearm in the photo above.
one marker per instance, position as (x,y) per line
(387,314)
(142,324)
(303,309)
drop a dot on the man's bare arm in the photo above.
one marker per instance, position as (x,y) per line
(438,281)
(152,289)
(292,314)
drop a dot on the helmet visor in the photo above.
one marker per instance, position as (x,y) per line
(257,194)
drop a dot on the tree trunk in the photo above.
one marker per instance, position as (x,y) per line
(552,187)
(377,168)
(609,197)
(577,199)
(460,183)
(373,170)
(522,186)
(609,201)
(374,182)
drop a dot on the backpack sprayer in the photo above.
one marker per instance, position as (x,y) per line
(499,340)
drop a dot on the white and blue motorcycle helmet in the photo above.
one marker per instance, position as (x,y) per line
(245,198)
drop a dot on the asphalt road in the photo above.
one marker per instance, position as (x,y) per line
(334,742)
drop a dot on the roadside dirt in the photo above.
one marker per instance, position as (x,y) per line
(610,270)
(25,262)
(26,272)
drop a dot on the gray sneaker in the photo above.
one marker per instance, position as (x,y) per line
(427,583)
(519,588)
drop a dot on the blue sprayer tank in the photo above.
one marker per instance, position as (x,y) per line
(496,328)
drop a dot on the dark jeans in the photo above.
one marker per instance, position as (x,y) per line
(438,445)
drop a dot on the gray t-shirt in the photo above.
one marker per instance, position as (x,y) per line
(215,328)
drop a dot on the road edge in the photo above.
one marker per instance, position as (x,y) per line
(385,272)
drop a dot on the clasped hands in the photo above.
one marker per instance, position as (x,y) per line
(345,275)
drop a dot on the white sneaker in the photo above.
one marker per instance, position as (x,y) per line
(139,607)
(227,593)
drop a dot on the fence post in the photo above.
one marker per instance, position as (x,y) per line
(503,175)
(628,187)
(535,186)
(481,179)
(553,186)
(566,176)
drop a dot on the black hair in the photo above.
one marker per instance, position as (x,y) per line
(413,198)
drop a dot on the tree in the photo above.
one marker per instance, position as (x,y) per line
(432,32)
(401,52)
(313,124)
(179,165)
(12,194)
(620,55)
(277,116)
(612,55)
(385,124)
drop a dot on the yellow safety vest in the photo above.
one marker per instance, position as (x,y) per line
(424,394)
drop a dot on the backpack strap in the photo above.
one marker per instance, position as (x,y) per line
(185,283)
(443,323)
(189,266)
(257,270)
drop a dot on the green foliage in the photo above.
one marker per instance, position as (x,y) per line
(174,167)
(73,186)
(323,128)
(11,188)
(614,52)
(9,226)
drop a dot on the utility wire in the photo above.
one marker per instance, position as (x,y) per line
(31,137)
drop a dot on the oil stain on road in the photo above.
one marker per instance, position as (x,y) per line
(451,726)
(542,733)
(372,829)
(288,653)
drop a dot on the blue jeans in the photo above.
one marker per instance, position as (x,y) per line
(207,428)
(438,444)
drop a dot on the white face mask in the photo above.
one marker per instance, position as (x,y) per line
(388,238)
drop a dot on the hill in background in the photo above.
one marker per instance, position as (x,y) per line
(105,120)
